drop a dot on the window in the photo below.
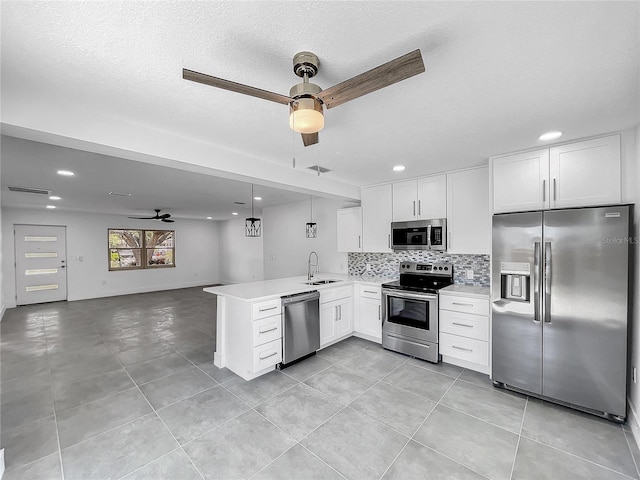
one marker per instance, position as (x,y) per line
(135,249)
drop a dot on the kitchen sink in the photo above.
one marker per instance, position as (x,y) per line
(321,282)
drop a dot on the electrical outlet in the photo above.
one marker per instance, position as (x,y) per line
(634,376)
(469,273)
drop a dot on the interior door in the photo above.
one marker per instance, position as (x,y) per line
(40,263)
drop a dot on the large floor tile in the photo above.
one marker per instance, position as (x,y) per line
(220,375)
(500,407)
(480,446)
(142,354)
(297,462)
(20,388)
(25,368)
(535,460)
(170,389)
(239,448)
(401,410)
(119,451)
(308,367)
(83,368)
(417,462)
(477,378)
(29,442)
(150,370)
(420,381)
(90,389)
(196,415)
(47,468)
(372,364)
(299,410)
(260,389)
(341,383)
(173,466)
(339,351)
(34,404)
(578,433)
(90,419)
(440,367)
(355,445)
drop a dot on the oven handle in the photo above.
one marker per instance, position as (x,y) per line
(416,296)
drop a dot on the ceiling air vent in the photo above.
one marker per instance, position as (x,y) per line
(39,191)
(319,169)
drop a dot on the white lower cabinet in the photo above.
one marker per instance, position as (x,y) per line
(368,318)
(464,331)
(336,315)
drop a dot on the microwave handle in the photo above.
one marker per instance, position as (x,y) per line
(429,236)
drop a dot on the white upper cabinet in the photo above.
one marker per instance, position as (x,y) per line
(585,173)
(349,226)
(520,182)
(468,215)
(419,199)
(573,175)
(376,218)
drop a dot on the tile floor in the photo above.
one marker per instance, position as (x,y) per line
(124,387)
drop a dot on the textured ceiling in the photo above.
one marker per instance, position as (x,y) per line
(498,74)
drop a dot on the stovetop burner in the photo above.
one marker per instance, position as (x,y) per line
(422,277)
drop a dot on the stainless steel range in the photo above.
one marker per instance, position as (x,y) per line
(410,309)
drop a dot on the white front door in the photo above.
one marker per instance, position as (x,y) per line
(41,263)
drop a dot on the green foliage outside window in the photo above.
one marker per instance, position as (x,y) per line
(135,249)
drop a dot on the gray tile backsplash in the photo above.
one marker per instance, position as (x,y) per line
(386,264)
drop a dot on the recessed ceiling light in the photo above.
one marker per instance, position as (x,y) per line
(66,173)
(54,197)
(51,207)
(209,218)
(234,213)
(550,136)
(398,168)
(257,198)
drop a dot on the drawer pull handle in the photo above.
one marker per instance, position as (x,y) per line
(369,291)
(462,324)
(462,304)
(268,356)
(267,331)
(267,309)
(465,349)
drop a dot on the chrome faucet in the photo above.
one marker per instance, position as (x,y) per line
(309,265)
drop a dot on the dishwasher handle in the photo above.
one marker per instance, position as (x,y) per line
(300,297)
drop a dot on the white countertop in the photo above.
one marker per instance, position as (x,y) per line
(466,291)
(268,289)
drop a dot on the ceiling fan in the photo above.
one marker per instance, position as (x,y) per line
(306,100)
(163,218)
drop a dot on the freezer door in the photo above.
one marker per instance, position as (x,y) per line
(585,317)
(517,329)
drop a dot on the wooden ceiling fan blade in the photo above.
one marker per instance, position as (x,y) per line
(165,215)
(382,76)
(310,138)
(234,87)
(166,220)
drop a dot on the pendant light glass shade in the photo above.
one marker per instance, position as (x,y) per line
(306,115)
(311,226)
(252,225)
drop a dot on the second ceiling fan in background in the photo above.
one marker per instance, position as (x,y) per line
(306,100)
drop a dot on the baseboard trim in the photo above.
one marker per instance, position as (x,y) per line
(632,421)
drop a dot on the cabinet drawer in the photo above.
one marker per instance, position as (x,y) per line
(267,355)
(335,294)
(477,306)
(267,309)
(267,330)
(465,324)
(371,292)
(468,349)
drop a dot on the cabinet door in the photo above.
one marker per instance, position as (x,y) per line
(585,173)
(328,317)
(521,182)
(405,201)
(349,226)
(344,320)
(370,317)
(468,216)
(377,216)
(432,197)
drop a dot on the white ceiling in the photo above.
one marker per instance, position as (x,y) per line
(106,77)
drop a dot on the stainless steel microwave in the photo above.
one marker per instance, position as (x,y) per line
(420,235)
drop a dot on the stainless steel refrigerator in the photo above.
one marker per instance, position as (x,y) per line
(560,286)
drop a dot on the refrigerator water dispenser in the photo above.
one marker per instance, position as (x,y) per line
(515,280)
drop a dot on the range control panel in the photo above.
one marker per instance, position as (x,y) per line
(427,268)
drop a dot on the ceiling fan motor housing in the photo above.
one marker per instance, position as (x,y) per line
(305,63)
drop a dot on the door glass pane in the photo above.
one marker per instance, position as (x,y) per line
(159,256)
(413,313)
(40,255)
(33,238)
(36,288)
(40,271)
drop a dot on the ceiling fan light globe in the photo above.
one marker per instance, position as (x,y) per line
(306,116)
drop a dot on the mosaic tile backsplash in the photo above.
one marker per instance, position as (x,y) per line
(387,264)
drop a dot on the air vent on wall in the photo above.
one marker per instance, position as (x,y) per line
(319,169)
(39,191)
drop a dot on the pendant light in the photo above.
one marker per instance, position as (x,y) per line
(312,228)
(252,226)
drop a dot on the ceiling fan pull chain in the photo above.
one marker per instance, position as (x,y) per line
(293,139)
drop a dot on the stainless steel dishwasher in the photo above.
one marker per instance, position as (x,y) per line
(300,326)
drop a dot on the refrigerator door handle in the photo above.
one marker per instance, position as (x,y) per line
(547,282)
(536,282)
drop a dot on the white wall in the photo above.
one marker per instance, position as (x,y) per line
(196,256)
(2,297)
(286,247)
(241,257)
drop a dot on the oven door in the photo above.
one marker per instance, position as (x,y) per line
(410,314)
